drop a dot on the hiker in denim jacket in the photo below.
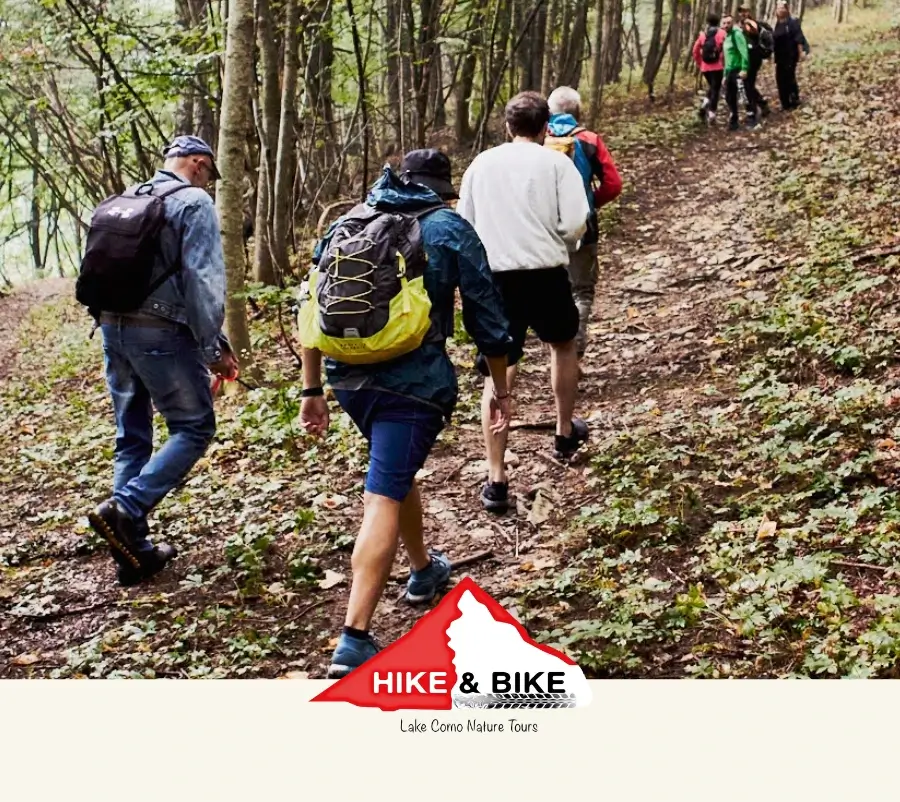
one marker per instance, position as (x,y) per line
(161,356)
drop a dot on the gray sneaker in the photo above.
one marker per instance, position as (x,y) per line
(424,585)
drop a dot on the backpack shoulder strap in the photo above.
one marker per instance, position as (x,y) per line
(422,213)
(176,267)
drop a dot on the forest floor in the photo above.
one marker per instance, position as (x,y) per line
(736,512)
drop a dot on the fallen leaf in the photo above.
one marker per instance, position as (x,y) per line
(329,502)
(424,473)
(886,444)
(25,660)
(295,675)
(766,529)
(540,510)
(331,579)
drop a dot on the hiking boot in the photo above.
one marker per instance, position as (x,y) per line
(136,558)
(495,497)
(764,109)
(425,584)
(152,563)
(351,653)
(751,122)
(733,125)
(565,447)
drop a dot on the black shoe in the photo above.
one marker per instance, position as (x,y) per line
(152,563)
(733,125)
(764,108)
(495,497)
(127,541)
(565,447)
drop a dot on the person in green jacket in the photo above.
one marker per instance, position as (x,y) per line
(737,62)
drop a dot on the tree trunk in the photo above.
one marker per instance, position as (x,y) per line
(464,133)
(281,198)
(269,112)
(318,82)
(34,227)
(229,201)
(549,57)
(392,75)
(596,68)
(613,40)
(570,72)
(655,52)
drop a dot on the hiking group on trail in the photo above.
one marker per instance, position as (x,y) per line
(734,55)
(375,312)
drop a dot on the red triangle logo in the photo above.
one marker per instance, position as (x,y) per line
(417,672)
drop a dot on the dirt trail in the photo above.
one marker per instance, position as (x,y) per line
(679,251)
(15,307)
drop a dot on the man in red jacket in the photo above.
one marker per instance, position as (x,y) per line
(602,186)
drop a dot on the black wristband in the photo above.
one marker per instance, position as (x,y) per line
(312,392)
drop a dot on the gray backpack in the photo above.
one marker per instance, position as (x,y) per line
(369,301)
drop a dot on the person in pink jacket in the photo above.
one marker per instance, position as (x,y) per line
(709,55)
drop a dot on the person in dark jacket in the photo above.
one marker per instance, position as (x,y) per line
(401,406)
(790,49)
(565,110)
(756,104)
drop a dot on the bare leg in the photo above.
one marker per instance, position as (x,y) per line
(564,379)
(373,557)
(495,444)
(411,530)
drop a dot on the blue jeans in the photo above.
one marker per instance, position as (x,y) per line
(163,368)
(401,433)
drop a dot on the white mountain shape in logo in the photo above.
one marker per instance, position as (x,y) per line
(482,646)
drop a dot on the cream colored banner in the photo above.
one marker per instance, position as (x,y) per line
(263,740)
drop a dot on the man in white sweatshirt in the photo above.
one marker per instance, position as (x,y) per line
(528,205)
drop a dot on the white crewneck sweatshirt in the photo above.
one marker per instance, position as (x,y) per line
(527,203)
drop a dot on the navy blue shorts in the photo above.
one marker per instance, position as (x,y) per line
(401,433)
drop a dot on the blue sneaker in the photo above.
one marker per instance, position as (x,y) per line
(351,653)
(424,585)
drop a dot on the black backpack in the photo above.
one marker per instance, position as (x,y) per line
(765,39)
(121,251)
(711,50)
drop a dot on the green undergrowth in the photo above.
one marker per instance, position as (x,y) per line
(751,527)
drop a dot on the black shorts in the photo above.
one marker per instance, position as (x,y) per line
(540,300)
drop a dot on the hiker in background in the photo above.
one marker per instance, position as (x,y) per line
(737,62)
(790,49)
(760,45)
(161,356)
(594,163)
(401,405)
(529,207)
(710,60)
